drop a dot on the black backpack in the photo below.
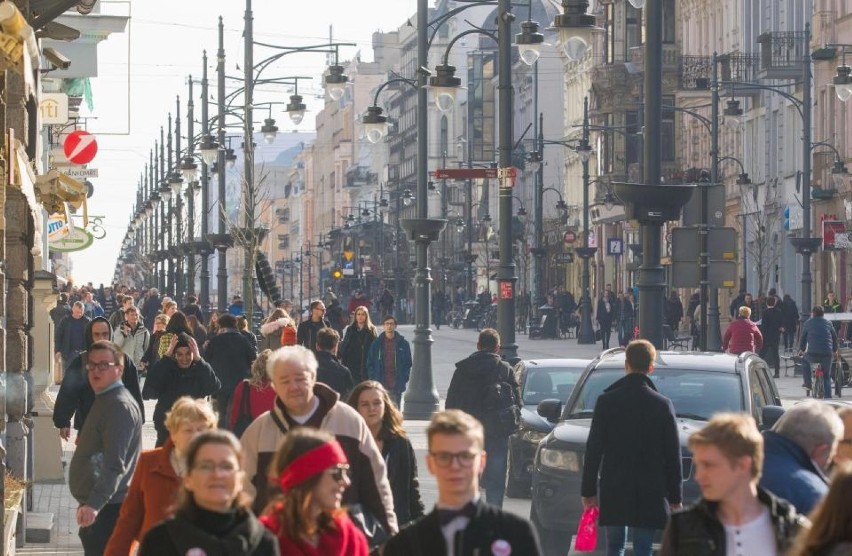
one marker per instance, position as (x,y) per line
(501,412)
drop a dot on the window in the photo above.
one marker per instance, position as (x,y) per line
(759,398)
(669,21)
(633,29)
(609,29)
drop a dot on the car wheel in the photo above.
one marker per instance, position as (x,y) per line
(516,488)
(554,542)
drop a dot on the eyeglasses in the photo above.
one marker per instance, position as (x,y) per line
(225,467)
(102,366)
(445,459)
(339,473)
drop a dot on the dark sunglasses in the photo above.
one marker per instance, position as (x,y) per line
(339,473)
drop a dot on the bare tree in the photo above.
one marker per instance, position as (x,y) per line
(761,221)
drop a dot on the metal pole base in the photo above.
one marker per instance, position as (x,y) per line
(714,327)
(587,331)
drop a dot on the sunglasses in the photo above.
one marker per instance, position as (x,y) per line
(339,473)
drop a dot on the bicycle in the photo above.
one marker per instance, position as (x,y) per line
(817,382)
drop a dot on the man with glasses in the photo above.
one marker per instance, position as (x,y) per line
(306,334)
(461,522)
(109,447)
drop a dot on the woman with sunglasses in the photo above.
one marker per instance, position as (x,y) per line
(212,515)
(306,517)
(372,401)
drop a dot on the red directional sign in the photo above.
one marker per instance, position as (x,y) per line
(465,173)
(80,147)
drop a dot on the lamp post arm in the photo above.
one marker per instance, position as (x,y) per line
(455,39)
(796,102)
(382,87)
(829,146)
(737,160)
(707,122)
(436,23)
(328,48)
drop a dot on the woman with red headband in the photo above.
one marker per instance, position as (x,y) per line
(307,517)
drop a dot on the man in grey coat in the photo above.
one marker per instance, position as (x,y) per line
(108,448)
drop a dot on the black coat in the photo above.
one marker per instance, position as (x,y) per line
(603,316)
(306,334)
(791,314)
(697,530)
(634,443)
(424,537)
(334,375)
(166,382)
(177,536)
(402,476)
(230,355)
(771,325)
(470,380)
(353,350)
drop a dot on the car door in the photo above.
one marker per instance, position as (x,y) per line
(759,393)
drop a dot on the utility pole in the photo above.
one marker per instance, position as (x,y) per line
(205,190)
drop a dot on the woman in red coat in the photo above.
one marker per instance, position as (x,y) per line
(742,335)
(157,477)
(307,518)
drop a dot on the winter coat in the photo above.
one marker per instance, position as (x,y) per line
(153,491)
(344,540)
(331,373)
(166,382)
(369,487)
(742,335)
(473,375)
(697,531)
(76,396)
(271,333)
(376,361)
(771,325)
(133,344)
(674,311)
(634,448)
(192,531)
(353,350)
(260,401)
(59,312)
(791,314)
(402,476)
(194,309)
(306,334)
(150,309)
(818,337)
(603,316)
(65,334)
(231,356)
(790,473)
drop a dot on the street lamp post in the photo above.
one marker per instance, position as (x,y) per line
(205,189)
(587,333)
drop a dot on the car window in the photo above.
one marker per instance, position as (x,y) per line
(759,397)
(695,394)
(549,382)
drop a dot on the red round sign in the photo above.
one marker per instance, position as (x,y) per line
(80,147)
(569,237)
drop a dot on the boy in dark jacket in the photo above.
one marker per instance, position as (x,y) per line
(329,370)
(230,354)
(728,459)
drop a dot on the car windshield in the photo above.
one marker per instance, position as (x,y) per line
(549,382)
(695,394)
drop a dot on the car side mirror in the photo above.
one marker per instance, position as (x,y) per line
(770,415)
(550,409)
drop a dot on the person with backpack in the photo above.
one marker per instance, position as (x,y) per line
(484,386)
(252,397)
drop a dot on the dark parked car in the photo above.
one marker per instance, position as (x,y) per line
(540,379)
(698,384)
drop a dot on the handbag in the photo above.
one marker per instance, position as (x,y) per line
(587,531)
(244,417)
(372,528)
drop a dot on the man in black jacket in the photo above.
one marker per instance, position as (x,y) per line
(231,355)
(727,455)
(772,325)
(461,522)
(474,379)
(76,395)
(70,335)
(306,334)
(329,370)
(633,443)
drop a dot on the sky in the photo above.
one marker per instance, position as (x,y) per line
(143,70)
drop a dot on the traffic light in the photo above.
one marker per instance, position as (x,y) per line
(337,274)
(786,218)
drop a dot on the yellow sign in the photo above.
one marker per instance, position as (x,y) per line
(348,255)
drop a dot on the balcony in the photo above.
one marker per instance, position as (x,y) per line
(741,68)
(357,176)
(671,58)
(696,73)
(781,54)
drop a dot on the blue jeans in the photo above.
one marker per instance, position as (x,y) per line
(616,537)
(494,476)
(825,361)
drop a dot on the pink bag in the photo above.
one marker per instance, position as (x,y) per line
(587,532)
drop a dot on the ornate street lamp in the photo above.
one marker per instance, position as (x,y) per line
(733,114)
(529,41)
(269,130)
(843,83)
(209,149)
(575,28)
(444,85)
(335,81)
(375,124)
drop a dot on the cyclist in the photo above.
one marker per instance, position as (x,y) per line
(819,345)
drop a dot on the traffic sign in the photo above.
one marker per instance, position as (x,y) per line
(465,173)
(348,255)
(80,147)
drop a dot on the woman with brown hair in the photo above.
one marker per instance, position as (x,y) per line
(157,476)
(271,329)
(830,533)
(384,420)
(177,324)
(307,517)
(261,395)
(212,515)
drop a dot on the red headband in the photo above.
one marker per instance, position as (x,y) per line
(312,462)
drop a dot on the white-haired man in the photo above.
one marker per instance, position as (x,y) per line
(799,449)
(303,402)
